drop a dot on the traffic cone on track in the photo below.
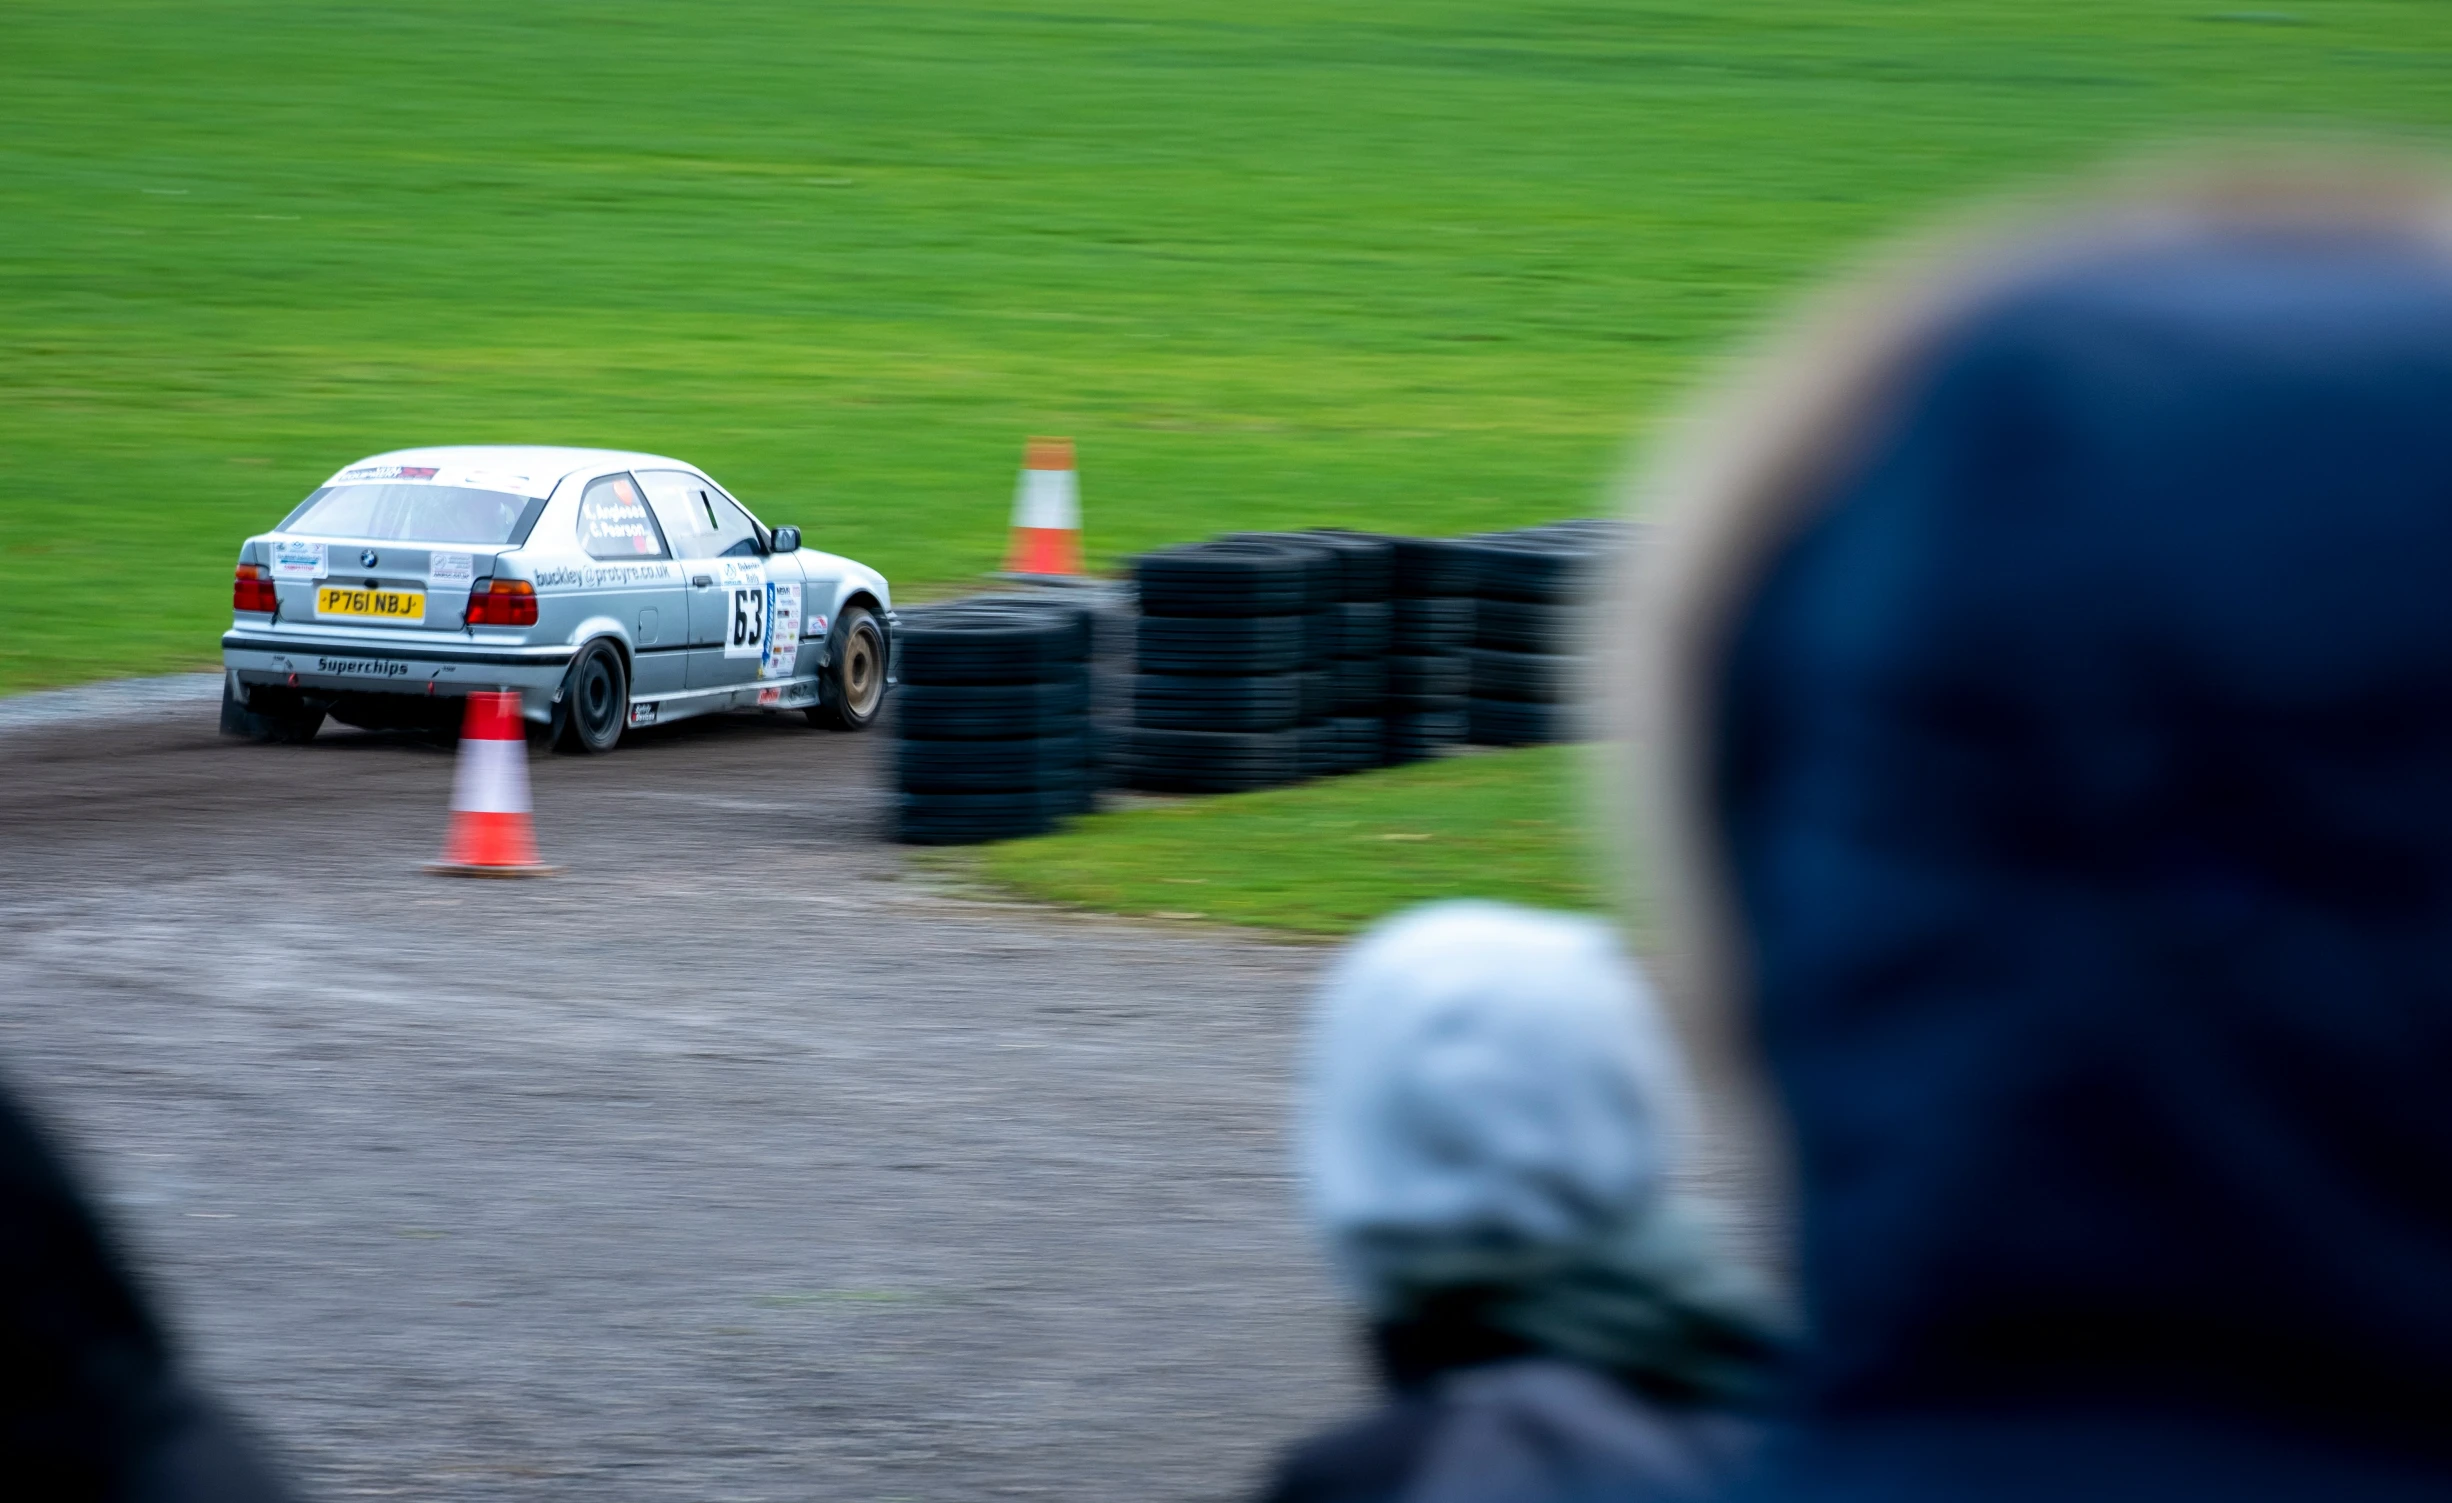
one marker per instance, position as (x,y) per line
(490,832)
(1046,512)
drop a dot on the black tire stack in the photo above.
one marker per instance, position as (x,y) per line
(1530,661)
(1429,671)
(991,720)
(1324,583)
(1220,646)
(1358,725)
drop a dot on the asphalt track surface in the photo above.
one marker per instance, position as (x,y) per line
(730,1164)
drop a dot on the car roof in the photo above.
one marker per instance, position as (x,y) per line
(530,469)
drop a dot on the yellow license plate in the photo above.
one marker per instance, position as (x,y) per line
(371,605)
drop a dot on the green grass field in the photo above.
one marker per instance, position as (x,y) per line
(1422,265)
(1325,858)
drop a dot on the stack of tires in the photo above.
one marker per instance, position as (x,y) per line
(991,720)
(1358,724)
(1324,582)
(1429,672)
(1220,646)
(1528,660)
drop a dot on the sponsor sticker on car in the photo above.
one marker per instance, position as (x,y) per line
(292,560)
(449,568)
(782,630)
(361,668)
(400,607)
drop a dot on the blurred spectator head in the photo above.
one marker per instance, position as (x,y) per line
(2054,714)
(1483,1073)
(1491,1112)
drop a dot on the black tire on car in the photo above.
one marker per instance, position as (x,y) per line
(278,716)
(595,702)
(852,690)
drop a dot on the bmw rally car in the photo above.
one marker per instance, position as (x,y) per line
(611,589)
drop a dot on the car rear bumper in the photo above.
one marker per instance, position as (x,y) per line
(418,670)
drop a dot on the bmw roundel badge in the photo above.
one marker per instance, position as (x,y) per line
(368,558)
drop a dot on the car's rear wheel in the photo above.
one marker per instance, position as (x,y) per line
(855,680)
(595,701)
(276,715)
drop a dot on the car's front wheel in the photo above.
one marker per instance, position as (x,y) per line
(595,701)
(855,679)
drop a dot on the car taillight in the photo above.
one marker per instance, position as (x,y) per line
(253,591)
(502,602)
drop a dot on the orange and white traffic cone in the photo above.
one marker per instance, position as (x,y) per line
(1046,512)
(490,832)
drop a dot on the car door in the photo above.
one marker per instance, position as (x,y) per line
(629,577)
(735,593)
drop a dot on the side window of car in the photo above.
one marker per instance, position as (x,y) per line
(701,520)
(613,521)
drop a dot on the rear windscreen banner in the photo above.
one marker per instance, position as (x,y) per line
(445,475)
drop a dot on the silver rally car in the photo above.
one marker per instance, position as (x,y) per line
(611,589)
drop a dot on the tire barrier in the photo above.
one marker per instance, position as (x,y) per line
(1241,663)
(1219,646)
(991,715)
(1434,624)
(1323,635)
(1430,629)
(1367,578)
(1529,659)
(1259,702)
(1169,761)
(1234,650)
(1416,738)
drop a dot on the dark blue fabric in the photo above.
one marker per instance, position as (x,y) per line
(2086,772)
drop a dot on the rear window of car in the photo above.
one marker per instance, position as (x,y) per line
(415,514)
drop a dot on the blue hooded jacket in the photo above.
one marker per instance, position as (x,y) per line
(2078,756)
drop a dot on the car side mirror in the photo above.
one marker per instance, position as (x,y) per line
(787,540)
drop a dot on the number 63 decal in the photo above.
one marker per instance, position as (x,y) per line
(747,638)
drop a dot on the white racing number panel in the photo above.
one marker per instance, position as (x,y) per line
(745,623)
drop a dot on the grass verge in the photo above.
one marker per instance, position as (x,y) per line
(1419,265)
(1325,858)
